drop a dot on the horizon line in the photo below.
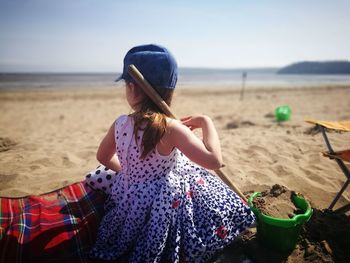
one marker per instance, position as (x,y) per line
(207,68)
(118,72)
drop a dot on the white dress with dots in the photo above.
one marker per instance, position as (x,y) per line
(163,208)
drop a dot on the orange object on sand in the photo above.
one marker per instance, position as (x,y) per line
(342,155)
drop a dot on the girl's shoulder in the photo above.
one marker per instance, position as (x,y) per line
(175,130)
(174,126)
(166,145)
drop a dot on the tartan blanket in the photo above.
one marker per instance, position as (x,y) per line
(59,226)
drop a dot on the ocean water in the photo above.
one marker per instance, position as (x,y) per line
(193,77)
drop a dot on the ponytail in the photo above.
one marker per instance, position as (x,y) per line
(152,120)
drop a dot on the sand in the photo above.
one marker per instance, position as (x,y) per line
(277,202)
(49,138)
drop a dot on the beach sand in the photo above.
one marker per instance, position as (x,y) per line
(49,138)
(57,132)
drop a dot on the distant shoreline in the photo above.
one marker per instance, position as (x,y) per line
(187,89)
(187,77)
(317,68)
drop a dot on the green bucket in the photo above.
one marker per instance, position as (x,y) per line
(277,233)
(282,113)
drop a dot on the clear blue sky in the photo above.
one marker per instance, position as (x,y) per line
(94,35)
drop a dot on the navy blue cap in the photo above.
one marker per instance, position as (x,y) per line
(156,64)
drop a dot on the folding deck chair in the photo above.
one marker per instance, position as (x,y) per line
(340,156)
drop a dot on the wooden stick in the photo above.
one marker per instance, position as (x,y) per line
(154,96)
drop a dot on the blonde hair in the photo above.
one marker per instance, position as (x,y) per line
(152,120)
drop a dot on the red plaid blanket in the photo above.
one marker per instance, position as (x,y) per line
(59,226)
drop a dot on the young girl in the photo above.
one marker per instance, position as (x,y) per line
(163,205)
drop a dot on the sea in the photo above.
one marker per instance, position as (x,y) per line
(188,77)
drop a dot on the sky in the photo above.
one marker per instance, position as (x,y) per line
(94,35)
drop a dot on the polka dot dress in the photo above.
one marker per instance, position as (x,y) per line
(163,208)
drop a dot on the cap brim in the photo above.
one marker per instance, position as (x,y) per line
(119,78)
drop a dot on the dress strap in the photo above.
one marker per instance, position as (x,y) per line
(124,127)
(119,125)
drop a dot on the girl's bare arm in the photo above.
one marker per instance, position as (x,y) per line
(206,152)
(106,151)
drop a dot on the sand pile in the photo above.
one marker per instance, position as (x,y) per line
(277,202)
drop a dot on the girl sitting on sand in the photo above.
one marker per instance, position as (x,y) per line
(163,205)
